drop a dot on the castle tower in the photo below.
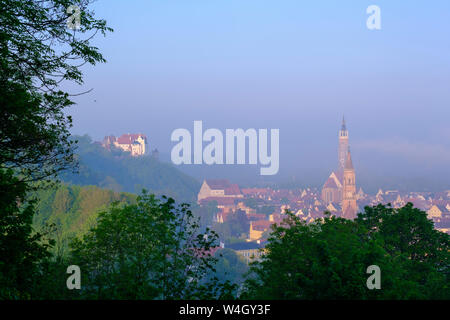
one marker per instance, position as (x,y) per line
(343,146)
(349,206)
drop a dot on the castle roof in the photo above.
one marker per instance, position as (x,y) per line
(130,138)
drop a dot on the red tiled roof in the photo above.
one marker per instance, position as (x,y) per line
(233,190)
(248,191)
(129,138)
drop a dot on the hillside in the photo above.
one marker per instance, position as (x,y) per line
(118,171)
(73,209)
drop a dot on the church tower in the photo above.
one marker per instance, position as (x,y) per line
(349,206)
(343,146)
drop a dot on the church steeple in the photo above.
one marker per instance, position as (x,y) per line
(348,161)
(343,146)
(349,206)
(341,185)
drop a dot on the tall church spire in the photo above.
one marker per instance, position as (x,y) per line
(343,146)
(349,206)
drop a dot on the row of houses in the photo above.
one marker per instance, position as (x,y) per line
(308,204)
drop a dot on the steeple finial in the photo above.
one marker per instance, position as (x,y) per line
(344,127)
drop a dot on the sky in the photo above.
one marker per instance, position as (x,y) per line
(296,66)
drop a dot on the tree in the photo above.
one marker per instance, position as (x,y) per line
(206,213)
(328,259)
(20,248)
(407,232)
(236,226)
(230,266)
(148,250)
(37,54)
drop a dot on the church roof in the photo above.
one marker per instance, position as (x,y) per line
(330,183)
(340,177)
(334,181)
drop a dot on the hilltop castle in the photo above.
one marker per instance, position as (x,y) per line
(134,143)
(340,188)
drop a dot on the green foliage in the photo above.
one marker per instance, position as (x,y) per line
(148,250)
(37,53)
(328,259)
(236,226)
(21,249)
(230,266)
(205,213)
(73,210)
(119,171)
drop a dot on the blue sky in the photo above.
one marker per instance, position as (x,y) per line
(293,65)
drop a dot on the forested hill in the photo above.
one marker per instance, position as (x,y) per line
(118,171)
(74,209)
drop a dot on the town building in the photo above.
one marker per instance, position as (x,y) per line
(258,227)
(218,189)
